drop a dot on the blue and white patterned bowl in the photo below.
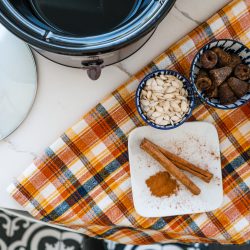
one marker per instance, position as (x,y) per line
(186,85)
(228,45)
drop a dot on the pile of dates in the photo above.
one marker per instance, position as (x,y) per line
(223,76)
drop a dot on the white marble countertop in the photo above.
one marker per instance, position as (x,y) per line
(65,94)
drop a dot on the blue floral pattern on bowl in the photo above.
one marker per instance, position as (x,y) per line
(186,84)
(230,46)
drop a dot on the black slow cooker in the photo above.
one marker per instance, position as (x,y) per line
(88,34)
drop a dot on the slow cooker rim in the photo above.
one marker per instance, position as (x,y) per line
(59,49)
(80,49)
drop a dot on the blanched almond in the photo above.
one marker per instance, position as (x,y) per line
(157,88)
(149,82)
(147,88)
(158,94)
(144,92)
(149,113)
(153,103)
(164,123)
(154,97)
(156,114)
(159,109)
(169,96)
(179,97)
(159,119)
(163,77)
(145,108)
(153,83)
(145,102)
(170,90)
(166,106)
(180,84)
(172,78)
(176,84)
(166,118)
(184,106)
(171,114)
(160,82)
(184,92)
(179,115)
(175,118)
(149,94)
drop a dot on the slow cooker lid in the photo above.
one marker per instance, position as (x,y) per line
(46,37)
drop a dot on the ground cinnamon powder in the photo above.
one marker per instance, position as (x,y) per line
(162,184)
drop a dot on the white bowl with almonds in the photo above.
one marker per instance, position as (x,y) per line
(164,99)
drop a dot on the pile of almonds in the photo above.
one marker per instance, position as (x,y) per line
(164,100)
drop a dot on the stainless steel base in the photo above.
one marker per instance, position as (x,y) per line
(94,63)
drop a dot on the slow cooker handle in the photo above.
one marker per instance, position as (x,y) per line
(94,68)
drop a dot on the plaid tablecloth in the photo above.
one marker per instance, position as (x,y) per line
(83,182)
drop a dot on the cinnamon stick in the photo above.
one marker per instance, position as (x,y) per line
(152,150)
(185,165)
(205,178)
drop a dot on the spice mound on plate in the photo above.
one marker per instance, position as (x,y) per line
(164,100)
(162,184)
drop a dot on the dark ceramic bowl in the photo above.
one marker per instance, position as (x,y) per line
(186,85)
(228,45)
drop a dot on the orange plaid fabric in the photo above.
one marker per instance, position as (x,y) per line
(82,181)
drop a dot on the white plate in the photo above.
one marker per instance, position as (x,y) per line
(18,82)
(196,142)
